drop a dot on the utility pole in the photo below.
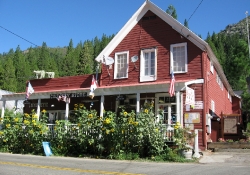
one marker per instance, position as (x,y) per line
(247,33)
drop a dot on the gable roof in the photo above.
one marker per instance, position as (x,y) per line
(176,25)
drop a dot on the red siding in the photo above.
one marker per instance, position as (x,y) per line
(148,34)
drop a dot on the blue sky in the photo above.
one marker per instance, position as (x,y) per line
(57,21)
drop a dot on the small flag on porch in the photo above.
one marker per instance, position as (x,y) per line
(171,87)
(92,88)
(29,90)
(93,84)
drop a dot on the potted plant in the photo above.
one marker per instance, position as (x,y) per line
(184,140)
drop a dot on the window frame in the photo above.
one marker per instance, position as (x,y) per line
(172,46)
(116,62)
(143,77)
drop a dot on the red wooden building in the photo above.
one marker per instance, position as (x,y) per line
(145,50)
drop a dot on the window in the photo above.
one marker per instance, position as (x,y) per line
(148,65)
(121,65)
(178,58)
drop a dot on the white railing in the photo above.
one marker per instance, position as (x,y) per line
(167,130)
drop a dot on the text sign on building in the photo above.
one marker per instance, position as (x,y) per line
(190,97)
(230,125)
(192,117)
(69,95)
(198,105)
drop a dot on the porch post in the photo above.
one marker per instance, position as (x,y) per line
(137,103)
(196,145)
(38,108)
(15,106)
(102,107)
(178,117)
(3,108)
(67,110)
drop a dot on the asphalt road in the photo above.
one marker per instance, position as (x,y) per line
(14,164)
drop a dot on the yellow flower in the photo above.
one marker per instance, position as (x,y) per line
(34,116)
(125,113)
(26,115)
(1,118)
(4,140)
(107,121)
(81,105)
(43,111)
(146,111)
(79,124)
(75,109)
(90,115)
(31,131)
(135,123)
(1,133)
(156,130)
(107,131)
(26,122)
(16,119)
(33,121)
(7,125)
(112,130)
(75,105)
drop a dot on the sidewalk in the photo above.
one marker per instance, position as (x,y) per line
(226,156)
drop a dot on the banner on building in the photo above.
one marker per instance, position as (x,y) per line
(190,97)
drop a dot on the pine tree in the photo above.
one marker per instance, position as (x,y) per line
(186,23)
(8,79)
(22,70)
(86,60)
(172,11)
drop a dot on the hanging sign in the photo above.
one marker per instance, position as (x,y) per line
(190,97)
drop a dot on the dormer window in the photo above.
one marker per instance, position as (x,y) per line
(148,64)
(121,65)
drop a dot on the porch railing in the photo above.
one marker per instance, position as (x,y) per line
(166,130)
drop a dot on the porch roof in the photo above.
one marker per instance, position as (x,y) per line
(150,87)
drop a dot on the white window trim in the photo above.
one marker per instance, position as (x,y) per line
(144,78)
(171,57)
(212,106)
(115,71)
(211,67)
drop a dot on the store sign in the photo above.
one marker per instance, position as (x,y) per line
(69,95)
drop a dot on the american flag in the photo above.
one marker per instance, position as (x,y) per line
(171,87)
(29,90)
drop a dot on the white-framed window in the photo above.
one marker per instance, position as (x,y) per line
(178,58)
(121,65)
(148,65)
(212,106)
(211,67)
